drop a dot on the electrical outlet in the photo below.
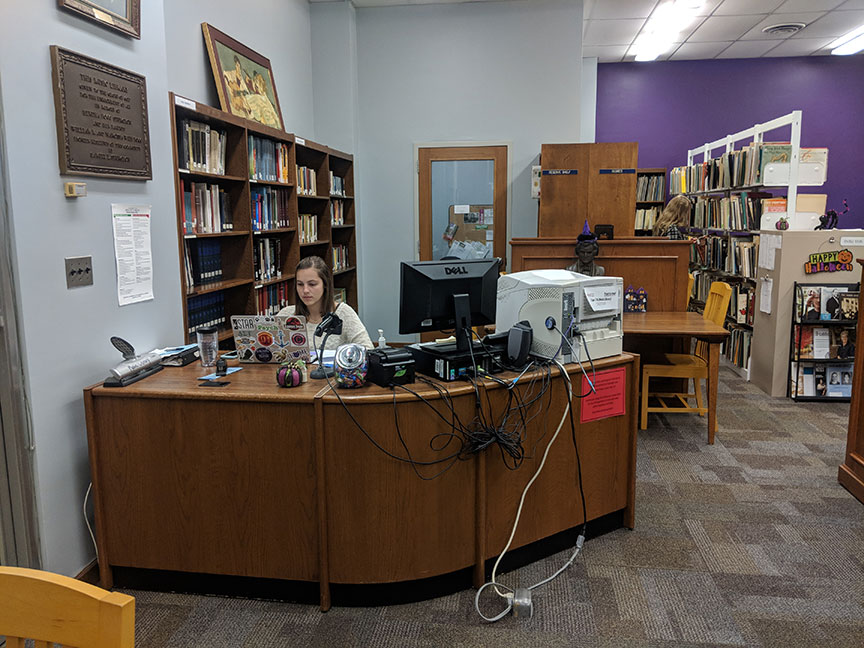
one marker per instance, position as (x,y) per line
(79,271)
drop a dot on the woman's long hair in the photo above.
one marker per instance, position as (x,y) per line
(677,212)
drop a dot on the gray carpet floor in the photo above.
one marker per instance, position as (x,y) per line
(749,542)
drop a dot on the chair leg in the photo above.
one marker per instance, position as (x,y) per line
(643,421)
(697,388)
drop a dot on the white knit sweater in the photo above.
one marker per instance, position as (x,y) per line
(352,328)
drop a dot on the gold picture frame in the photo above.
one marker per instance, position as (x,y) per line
(120,15)
(244,79)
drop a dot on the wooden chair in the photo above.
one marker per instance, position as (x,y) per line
(53,609)
(690,280)
(685,365)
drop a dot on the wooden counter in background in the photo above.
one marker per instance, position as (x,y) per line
(659,265)
(851,472)
(255,480)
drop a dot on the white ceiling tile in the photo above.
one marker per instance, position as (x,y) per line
(690,51)
(744,7)
(851,4)
(631,53)
(833,25)
(791,6)
(604,9)
(606,53)
(720,28)
(776,19)
(612,32)
(801,47)
(748,49)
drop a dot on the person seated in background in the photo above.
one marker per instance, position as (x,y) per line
(314,287)
(587,248)
(675,216)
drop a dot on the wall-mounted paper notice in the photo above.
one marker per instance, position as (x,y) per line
(132,254)
(765,296)
(602,298)
(768,245)
(461,209)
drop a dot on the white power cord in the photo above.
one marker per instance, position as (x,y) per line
(87,520)
(508,595)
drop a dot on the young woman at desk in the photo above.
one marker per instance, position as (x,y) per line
(674,216)
(314,283)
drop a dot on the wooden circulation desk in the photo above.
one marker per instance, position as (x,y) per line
(255,480)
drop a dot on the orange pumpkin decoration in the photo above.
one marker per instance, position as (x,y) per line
(845,256)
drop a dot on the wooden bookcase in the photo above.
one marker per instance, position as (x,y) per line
(650,198)
(243,262)
(596,182)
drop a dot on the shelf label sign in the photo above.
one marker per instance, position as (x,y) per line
(560,172)
(616,171)
(608,397)
(834,261)
(852,240)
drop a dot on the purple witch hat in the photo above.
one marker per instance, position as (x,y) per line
(587,234)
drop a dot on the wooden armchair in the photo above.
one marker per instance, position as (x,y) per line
(685,365)
(53,609)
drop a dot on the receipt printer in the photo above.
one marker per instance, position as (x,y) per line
(389,366)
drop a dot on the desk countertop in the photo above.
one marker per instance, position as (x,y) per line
(672,323)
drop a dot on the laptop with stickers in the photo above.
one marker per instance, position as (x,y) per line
(270,338)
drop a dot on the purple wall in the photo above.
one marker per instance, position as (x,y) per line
(671,106)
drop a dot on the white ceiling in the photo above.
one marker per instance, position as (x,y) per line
(727,28)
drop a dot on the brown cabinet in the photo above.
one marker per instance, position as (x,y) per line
(851,473)
(251,202)
(596,182)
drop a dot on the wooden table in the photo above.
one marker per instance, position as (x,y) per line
(255,480)
(668,324)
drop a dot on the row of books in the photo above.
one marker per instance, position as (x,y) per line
(271,207)
(737,349)
(838,302)
(267,258)
(337,212)
(201,147)
(827,380)
(739,212)
(742,303)
(340,295)
(206,208)
(307,227)
(742,168)
(205,310)
(307,181)
(337,185)
(811,342)
(341,259)
(645,218)
(268,160)
(736,257)
(203,262)
(651,188)
(271,299)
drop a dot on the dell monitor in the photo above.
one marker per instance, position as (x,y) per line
(451,294)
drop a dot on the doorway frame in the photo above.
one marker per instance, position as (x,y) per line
(463,144)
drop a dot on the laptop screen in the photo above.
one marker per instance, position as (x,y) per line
(270,338)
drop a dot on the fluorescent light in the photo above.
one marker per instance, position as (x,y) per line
(851,47)
(662,29)
(845,38)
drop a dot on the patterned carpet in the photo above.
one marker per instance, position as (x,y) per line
(750,542)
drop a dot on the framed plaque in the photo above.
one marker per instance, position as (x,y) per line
(121,15)
(101,116)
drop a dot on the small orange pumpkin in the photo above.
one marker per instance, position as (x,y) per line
(845,256)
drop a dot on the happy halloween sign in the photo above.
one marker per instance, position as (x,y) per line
(835,261)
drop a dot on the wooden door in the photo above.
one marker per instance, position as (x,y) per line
(563,189)
(612,186)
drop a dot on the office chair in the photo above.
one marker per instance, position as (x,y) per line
(54,609)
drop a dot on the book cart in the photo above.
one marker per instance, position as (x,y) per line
(729,191)
(251,202)
(822,341)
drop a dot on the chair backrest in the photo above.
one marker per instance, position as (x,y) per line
(52,608)
(716,308)
(690,280)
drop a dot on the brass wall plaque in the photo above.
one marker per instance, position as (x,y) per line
(101,116)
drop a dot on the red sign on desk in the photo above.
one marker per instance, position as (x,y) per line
(608,397)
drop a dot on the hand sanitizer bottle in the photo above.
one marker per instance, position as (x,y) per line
(381,341)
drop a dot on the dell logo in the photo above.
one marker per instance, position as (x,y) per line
(455,270)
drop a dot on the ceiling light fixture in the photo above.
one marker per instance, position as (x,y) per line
(850,43)
(663,28)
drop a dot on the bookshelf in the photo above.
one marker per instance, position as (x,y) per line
(251,202)
(650,198)
(822,341)
(731,205)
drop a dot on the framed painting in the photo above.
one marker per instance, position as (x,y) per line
(243,78)
(121,15)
